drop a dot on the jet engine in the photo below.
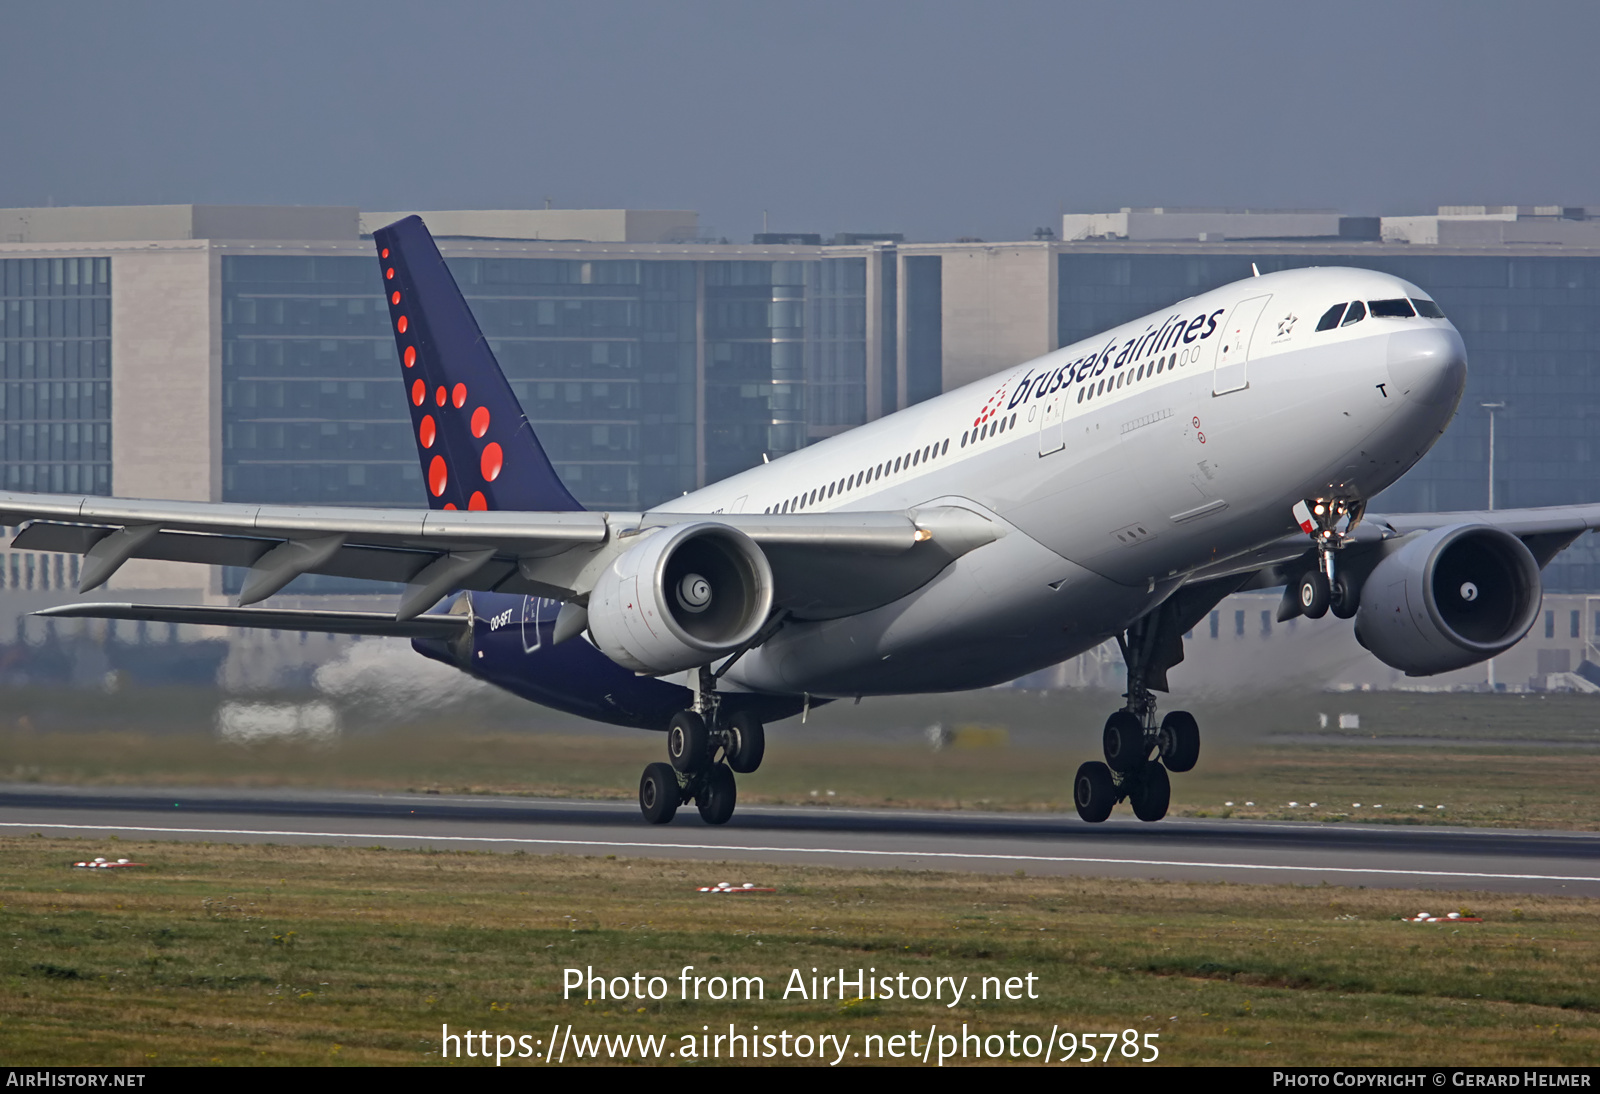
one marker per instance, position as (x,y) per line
(684,596)
(1449,598)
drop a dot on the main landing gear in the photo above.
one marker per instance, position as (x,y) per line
(1139,752)
(1326,587)
(705,745)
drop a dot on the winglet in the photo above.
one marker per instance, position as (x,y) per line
(477,447)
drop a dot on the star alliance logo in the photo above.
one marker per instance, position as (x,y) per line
(1286,324)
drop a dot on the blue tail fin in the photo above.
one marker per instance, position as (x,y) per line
(478,449)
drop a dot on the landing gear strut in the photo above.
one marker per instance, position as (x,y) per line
(705,745)
(1139,751)
(1329,522)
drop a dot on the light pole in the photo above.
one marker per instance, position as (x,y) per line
(1491,408)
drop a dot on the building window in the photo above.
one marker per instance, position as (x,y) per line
(1549,624)
(1238,624)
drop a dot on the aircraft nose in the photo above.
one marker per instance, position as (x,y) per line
(1428,366)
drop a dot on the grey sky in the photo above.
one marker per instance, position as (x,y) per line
(936,119)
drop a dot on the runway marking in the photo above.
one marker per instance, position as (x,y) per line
(966,855)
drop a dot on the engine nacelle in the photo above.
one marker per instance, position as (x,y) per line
(686,595)
(1449,598)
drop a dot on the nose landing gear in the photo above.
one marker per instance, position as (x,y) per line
(1329,522)
(705,745)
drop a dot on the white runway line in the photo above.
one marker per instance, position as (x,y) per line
(964,855)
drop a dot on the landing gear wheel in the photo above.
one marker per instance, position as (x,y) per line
(1150,792)
(1314,595)
(659,794)
(747,742)
(1179,741)
(688,742)
(1093,792)
(717,795)
(1345,596)
(1124,741)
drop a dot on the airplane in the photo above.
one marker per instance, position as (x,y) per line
(1117,488)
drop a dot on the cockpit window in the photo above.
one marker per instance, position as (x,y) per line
(1427,308)
(1392,309)
(1330,318)
(1357,312)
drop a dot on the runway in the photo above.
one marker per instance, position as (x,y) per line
(1509,860)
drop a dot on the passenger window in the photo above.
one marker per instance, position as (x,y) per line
(1357,312)
(1427,308)
(1330,318)
(1391,309)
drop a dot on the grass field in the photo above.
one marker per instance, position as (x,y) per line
(263,954)
(270,954)
(1488,760)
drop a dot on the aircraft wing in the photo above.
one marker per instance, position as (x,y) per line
(445,626)
(1546,531)
(824,564)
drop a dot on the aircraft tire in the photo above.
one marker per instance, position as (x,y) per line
(1345,596)
(688,742)
(1313,594)
(1093,792)
(717,795)
(1123,742)
(1179,741)
(658,793)
(747,742)
(1150,792)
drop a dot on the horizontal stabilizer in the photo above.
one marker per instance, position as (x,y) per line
(374,623)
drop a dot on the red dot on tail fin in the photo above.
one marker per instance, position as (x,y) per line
(477,501)
(493,460)
(480,421)
(438,476)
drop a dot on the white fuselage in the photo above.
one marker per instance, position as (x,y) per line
(1115,468)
